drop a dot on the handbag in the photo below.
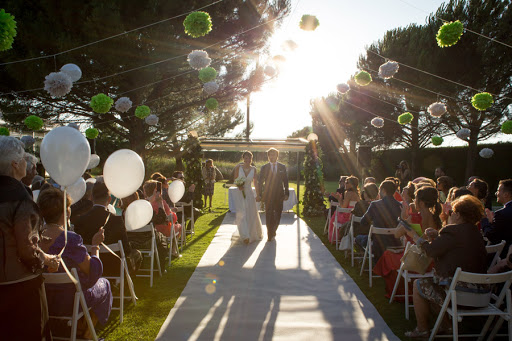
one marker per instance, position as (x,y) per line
(345,244)
(416,260)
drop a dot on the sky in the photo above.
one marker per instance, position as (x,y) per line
(324,58)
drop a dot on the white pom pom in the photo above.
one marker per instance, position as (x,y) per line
(388,70)
(28,140)
(377,122)
(210,87)
(464,134)
(486,153)
(152,120)
(343,88)
(289,45)
(58,84)
(74,125)
(198,59)
(270,71)
(437,109)
(123,104)
(73,71)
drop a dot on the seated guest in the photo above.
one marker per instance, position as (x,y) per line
(96,290)
(157,176)
(369,180)
(189,194)
(396,195)
(479,188)
(439,171)
(497,226)
(31,169)
(453,194)
(444,183)
(347,201)
(369,193)
(339,191)
(458,244)
(83,205)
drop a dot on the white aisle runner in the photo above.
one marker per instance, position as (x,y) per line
(289,289)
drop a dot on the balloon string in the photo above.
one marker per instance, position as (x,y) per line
(65,222)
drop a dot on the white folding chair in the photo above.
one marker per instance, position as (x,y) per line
(481,304)
(333,205)
(354,255)
(79,301)
(152,252)
(496,249)
(173,239)
(183,222)
(337,225)
(120,279)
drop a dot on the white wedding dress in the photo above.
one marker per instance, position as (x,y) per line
(248,220)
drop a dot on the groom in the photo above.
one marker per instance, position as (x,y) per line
(273,183)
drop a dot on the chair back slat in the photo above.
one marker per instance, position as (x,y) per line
(381,230)
(56,278)
(343,210)
(114,247)
(356,219)
(484,278)
(147,228)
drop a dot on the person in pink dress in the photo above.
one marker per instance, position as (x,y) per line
(348,201)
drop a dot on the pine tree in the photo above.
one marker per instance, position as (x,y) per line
(314,178)
(192,159)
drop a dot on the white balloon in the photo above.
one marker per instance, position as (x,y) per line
(77,190)
(176,190)
(138,214)
(73,71)
(91,180)
(123,172)
(111,209)
(65,154)
(94,161)
(35,195)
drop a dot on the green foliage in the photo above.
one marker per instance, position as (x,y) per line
(309,22)
(7,30)
(437,140)
(34,123)
(4,131)
(192,160)
(450,33)
(405,118)
(363,78)
(207,74)
(92,133)
(314,179)
(211,103)
(142,111)
(197,24)
(101,103)
(506,127)
(482,101)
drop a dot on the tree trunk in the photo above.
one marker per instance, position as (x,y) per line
(415,146)
(472,154)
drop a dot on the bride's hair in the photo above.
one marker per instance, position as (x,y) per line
(246,153)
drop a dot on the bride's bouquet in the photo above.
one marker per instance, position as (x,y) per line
(240,182)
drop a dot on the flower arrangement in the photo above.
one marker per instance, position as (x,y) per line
(309,22)
(28,140)
(343,88)
(463,134)
(4,131)
(405,118)
(377,122)
(151,120)
(142,111)
(270,71)
(388,69)
(207,74)
(123,104)
(211,104)
(33,122)
(437,140)
(92,133)
(58,84)
(198,59)
(506,127)
(449,34)
(73,71)
(436,109)
(7,30)
(363,78)
(210,87)
(197,24)
(482,101)
(240,183)
(486,153)
(101,103)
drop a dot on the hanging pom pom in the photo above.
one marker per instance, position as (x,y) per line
(388,70)
(309,22)
(363,78)
(151,120)
(436,109)
(73,71)
(210,87)
(437,140)
(377,122)
(123,104)
(289,45)
(101,103)
(28,141)
(343,88)
(333,103)
(34,123)
(450,33)
(142,111)
(207,74)
(482,101)
(4,131)
(198,59)
(92,133)
(58,84)
(270,71)
(464,134)
(74,126)
(279,59)
(7,30)
(211,104)
(197,24)
(405,118)
(486,153)
(506,127)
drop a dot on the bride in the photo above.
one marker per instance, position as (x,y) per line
(247,217)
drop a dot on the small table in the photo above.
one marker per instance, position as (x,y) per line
(287,205)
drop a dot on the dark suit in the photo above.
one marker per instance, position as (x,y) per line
(500,228)
(273,189)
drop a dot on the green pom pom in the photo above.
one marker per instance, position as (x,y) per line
(212,103)
(363,78)
(34,123)
(207,74)
(197,24)
(92,133)
(142,111)
(482,101)
(506,127)
(101,103)
(309,22)
(449,33)
(437,140)
(405,118)
(4,131)
(7,30)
